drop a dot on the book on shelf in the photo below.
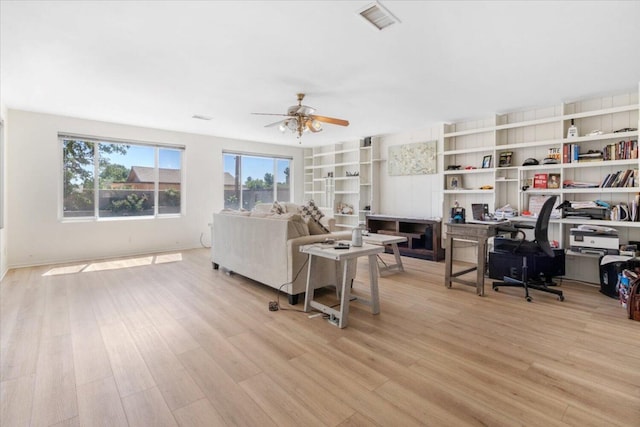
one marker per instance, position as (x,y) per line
(619,179)
(621,150)
(554,153)
(578,184)
(570,153)
(554,180)
(591,156)
(540,180)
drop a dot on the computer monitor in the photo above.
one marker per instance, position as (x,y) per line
(480,211)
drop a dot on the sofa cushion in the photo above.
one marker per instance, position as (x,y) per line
(311,211)
(277,208)
(262,207)
(315,227)
(291,207)
(241,212)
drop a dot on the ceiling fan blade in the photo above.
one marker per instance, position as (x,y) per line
(270,114)
(331,120)
(303,110)
(274,124)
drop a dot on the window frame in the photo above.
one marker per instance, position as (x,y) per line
(274,158)
(96,140)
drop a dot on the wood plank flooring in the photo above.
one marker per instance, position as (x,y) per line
(168,341)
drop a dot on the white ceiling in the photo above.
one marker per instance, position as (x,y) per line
(156,64)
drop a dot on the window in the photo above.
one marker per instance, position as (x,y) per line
(103,179)
(250,179)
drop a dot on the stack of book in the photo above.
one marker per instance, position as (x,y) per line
(621,150)
(591,156)
(626,178)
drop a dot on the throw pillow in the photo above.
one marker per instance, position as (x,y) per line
(277,208)
(311,210)
(315,227)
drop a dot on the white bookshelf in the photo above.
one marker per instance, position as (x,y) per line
(531,134)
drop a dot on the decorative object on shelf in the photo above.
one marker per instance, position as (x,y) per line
(472,167)
(486,161)
(530,162)
(367,141)
(505,159)
(454,182)
(540,180)
(412,159)
(453,167)
(347,173)
(573,130)
(329,174)
(554,180)
(300,119)
(344,208)
(594,133)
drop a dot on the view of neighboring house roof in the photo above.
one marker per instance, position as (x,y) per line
(147,174)
(229,179)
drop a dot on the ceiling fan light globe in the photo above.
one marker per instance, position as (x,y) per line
(292,125)
(316,125)
(282,127)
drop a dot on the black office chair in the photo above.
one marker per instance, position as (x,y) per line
(538,251)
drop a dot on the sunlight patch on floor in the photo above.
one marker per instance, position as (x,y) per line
(118,264)
(69,269)
(114,264)
(162,259)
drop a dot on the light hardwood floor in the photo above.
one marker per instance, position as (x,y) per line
(167,340)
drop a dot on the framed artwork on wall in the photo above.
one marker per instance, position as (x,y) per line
(413,159)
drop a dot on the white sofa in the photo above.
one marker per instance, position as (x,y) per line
(266,248)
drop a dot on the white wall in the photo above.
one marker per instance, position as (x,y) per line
(3,180)
(37,236)
(412,195)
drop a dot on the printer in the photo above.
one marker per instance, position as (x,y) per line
(594,239)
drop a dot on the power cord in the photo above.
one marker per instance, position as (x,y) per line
(202,243)
(275,305)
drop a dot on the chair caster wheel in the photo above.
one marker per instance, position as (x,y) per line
(529,299)
(495,289)
(561,297)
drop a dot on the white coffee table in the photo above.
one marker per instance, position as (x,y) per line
(348,258)
(383,240)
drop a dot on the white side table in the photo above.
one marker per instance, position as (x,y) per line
(348,258)
(383,240)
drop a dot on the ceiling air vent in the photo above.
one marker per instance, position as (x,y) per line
(201,117)
(378,16)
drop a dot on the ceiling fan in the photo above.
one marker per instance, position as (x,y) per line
(300,119)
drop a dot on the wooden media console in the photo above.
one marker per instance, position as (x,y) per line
(423,235)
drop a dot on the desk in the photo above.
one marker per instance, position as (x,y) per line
(478,233)
(383,240)
(348,258)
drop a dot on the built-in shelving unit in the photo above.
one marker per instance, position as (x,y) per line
(341,178)
(535,134)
